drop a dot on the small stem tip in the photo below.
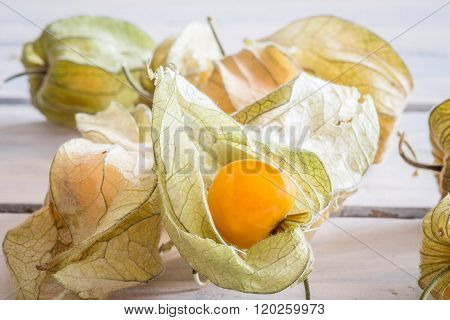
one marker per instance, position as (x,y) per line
(25,73)
(209,19)
(166,246)
(198,280)
(136,88)
(307,290)
(402,141)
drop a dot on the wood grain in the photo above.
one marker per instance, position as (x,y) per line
(28,143)
(355,259)
(424,47)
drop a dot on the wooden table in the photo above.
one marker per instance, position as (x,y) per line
(358,256)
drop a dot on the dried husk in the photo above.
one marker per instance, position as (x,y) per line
(81,59)
(99,228)
(439,124)
(193,138)
(435,251)
(335,122)
(333,49)
(241,79)
(192,52)
(345,53)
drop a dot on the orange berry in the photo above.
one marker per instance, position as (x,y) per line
(248,199)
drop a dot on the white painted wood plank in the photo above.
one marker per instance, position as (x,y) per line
(28,143)
(345,268)
(424,48)
(258,18)
(391,183)
(27,146)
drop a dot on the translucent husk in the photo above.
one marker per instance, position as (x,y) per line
(185,165)
(191,139)
(435,252)
(99,228)
(82,58)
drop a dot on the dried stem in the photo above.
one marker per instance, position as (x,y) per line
(166,246)
(26,73)
(307,290)
(138,89)
(433,282)
(402,141)
(209,19)
(198,280)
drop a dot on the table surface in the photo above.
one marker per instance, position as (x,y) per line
(343,268)
(375,258)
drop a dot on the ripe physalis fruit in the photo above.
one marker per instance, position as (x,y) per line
(248,199)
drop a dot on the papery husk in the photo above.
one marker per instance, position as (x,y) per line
(192,52)
(99,228)
(241,79)
(335,122)
(81,59)
(346,53)
(194,138)
(435,251)
(439,124)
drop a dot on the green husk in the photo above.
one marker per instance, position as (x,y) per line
(81,58)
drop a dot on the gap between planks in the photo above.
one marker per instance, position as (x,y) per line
(346,211)
(19,102)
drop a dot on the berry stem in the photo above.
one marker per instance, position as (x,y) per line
(209,19)
(307,290)
(25,73)
(132,83)
(197,279)
(402,141)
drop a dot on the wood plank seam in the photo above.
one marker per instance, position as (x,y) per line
(346,211)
